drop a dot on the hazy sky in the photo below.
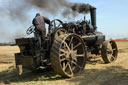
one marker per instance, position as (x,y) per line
(112,19)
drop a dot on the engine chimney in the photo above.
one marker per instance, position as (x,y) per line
(93,17)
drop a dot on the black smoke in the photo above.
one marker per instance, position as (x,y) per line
(81,8)
(17,10)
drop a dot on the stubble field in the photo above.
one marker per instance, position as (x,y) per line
(95,72)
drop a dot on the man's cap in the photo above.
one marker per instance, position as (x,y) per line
(37,14)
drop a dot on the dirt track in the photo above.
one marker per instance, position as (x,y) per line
(95,72)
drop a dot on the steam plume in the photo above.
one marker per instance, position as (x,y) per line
(17,10)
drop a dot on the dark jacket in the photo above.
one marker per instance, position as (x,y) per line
(39,23)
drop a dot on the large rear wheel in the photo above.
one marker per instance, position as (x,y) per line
(68,55)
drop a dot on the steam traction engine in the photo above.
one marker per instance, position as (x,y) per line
(65,47)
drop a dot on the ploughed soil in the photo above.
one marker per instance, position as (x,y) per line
(96,71)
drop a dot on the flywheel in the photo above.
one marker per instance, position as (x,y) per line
(68,55)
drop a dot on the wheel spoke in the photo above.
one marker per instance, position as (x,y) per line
(62,50)
(70,41)
(72,47)
(107,50)
(75,51)
(70,69)
(77,45)
(112,57)
(109,55)
(67,46)
(80,55)
(65,65)
(62,54)
(63,59)
(76,64)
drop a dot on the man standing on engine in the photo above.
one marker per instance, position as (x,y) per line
(39,23)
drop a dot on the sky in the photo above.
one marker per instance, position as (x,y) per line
(112,19)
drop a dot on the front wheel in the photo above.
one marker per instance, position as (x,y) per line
(109,51)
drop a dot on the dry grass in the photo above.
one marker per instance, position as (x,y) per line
(95,73)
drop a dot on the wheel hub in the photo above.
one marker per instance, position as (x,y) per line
(73,55)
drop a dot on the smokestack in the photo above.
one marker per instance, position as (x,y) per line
(93,17)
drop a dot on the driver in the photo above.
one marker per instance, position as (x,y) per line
(39,23)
